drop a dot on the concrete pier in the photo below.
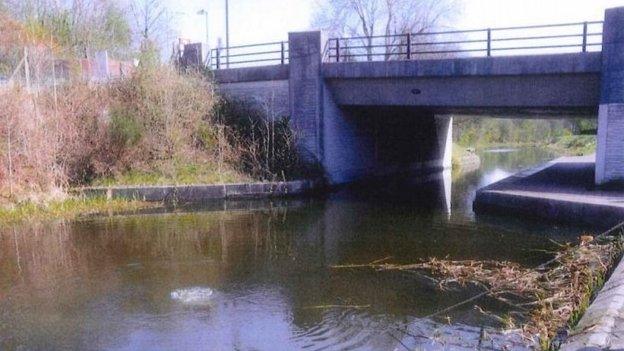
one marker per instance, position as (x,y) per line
(610,153)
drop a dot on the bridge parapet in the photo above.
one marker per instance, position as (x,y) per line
(572,63)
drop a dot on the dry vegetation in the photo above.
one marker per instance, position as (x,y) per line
(155,126)
(73,133)
(544,300)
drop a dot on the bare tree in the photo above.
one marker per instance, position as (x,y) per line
(151,19)
(368,19)
(82,26)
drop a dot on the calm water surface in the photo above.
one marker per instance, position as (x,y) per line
(260,279)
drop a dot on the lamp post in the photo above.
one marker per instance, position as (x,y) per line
(227,34)
(204,13)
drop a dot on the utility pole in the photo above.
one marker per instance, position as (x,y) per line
(227,34)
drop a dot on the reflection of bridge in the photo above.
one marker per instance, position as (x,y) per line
(373,117)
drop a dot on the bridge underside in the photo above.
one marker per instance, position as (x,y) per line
(536,112)
(367,142)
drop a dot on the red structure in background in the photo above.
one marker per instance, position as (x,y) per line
(102,68)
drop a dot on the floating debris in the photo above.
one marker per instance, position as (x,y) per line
(193,296)
(546,299)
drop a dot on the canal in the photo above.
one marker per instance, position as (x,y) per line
(261,278)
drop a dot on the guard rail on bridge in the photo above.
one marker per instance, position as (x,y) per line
(246,55)
(538,39)
(553,38)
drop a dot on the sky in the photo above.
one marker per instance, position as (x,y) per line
(259,21)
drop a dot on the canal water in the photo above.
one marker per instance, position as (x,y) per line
(258,275)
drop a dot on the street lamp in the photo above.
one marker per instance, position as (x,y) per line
(204,13)
(227,34)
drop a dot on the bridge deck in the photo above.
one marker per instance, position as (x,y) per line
(576,63)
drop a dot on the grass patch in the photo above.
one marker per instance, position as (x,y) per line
(575,145)
(567,145)
(71,208)
(185,173)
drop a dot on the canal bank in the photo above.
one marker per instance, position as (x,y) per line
(562,190)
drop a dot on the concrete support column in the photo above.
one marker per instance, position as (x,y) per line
(305,89)
(444,130)
(610,151)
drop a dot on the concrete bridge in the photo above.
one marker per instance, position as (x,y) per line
(374,118)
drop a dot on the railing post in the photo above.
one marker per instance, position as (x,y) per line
(585,37)
(489,42)
(337,50)
(283,54)
(409,46)
(218,57)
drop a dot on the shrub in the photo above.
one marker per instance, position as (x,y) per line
(124,129)
(259,143)
(167,109)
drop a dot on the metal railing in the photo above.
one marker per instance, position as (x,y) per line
(567,37)
(247,55)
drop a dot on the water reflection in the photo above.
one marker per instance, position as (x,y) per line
(107,283)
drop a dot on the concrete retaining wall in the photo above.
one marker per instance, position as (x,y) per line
(265,87)
(270,96)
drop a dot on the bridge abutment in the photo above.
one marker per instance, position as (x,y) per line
(305,89)
(610,151)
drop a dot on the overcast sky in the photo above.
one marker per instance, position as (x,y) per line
(257,21)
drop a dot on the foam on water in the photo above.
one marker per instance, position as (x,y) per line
(501,151)
(193,296)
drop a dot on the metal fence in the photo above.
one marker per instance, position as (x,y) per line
(248,55)
(553,38)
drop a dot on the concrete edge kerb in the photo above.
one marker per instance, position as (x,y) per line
(597,328)
(202,192)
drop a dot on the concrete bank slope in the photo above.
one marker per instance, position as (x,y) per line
(200,193)
(562,190)
(602,325)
